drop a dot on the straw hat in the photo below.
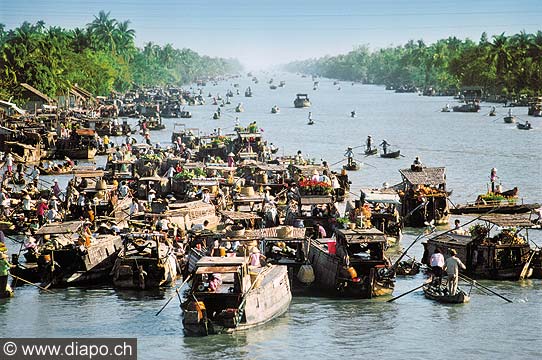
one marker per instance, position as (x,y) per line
(453,252)
(54,197)
(152,191)
(27,197)
(55,180)
(205,189)
(267,188)
(231,154)
(315,172)
(255,250)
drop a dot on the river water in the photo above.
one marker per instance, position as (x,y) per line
(469,145)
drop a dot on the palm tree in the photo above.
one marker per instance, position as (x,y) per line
(103,30)
(124,39)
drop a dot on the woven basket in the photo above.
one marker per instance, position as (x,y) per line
(284,232)
(247,191)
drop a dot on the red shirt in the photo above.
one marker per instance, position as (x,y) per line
(40,210)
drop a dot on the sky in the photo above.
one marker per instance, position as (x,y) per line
(261,33)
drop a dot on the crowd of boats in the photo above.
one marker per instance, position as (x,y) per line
(243,227)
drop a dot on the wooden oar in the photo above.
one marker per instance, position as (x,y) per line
(29,283)
(408,292)
(472,282)
(176,294)
(525,269)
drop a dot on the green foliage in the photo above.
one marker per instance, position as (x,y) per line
(503,63)
(100,58)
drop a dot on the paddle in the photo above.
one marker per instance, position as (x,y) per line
(525,269)
(29,283)
(473,282)
(408,292)
(172,296)
(361,162)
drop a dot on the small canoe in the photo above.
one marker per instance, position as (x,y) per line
(440,293)
(524,126)
(391,155)
(353,166)
(310,123)
(509,119)
(373,151)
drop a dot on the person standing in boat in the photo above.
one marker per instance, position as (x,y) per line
(4,271)
(385,146)
(493,178)
(437,265)
(453,264)
(310,117)
(369,143)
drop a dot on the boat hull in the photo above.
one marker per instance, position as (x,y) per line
(436,293)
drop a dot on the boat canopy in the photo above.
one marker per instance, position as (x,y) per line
(509,220)
(426,176)
(377,196)
(217,269)
(67,227)
(360,236)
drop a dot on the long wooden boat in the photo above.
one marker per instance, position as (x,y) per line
(391,155)
(469,107)
(510,119)
(504,256)
(241,298)
(352,166)
(71,262)
(496,207)
(440,293)
(146,262)
(526,126)
(55,171)
(373,151)
(353,266)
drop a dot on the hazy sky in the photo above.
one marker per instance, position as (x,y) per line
(265,32)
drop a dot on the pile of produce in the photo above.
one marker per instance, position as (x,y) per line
(311,187)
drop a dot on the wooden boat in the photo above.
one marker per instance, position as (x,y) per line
(510,119)
(423,196)
(440,293)
(310,122)
(496,207)
(364,275)
(55,170)
(373,151)
(408,268)
(81,145)
(275,110)
(185,114)
(526,126)
(468,107)
(71,262)
(493,112)
(535,108)
(248,92)
(503,256)
(239,108)
(273,87)
(391,155)
(243,298)
(385,215)
(302,101)
(352,166)
(146,262)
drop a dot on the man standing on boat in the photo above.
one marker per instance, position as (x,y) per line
(369,143)
(385,146)
(452,268)
(493,178)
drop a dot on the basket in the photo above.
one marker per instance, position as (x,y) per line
(284,232)
(247,191)
(235,233)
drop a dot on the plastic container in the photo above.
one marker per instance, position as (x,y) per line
(222,251)
(332,247)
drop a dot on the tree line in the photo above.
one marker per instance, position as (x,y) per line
(100,57)
(502,65)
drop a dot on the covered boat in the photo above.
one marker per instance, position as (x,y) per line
(353,265)
(504,256)
(145,262)
(301,101)
(227,294)
(384,213)
(423,196)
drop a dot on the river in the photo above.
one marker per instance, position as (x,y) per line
(467,144)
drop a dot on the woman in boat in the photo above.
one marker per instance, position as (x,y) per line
(493,178)
(4,271)
(255,257)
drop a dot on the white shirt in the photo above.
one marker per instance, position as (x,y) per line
(437,259)
(452,266)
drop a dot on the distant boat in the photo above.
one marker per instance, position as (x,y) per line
(526,126)
(391,155)
(440,293)
(310,122)
(373,151)
(301,101)
(511,119)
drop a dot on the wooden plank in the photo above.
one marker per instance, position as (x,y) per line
(216,269)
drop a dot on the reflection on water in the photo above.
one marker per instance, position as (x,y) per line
(411,327)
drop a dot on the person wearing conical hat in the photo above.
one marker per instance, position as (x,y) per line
(4,272)
(255,257)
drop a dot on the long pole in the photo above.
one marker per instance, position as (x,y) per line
(29,283)
(408,292)
(472,282)
(176,294)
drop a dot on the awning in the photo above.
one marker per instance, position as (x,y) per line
(377,196)
(509,220)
